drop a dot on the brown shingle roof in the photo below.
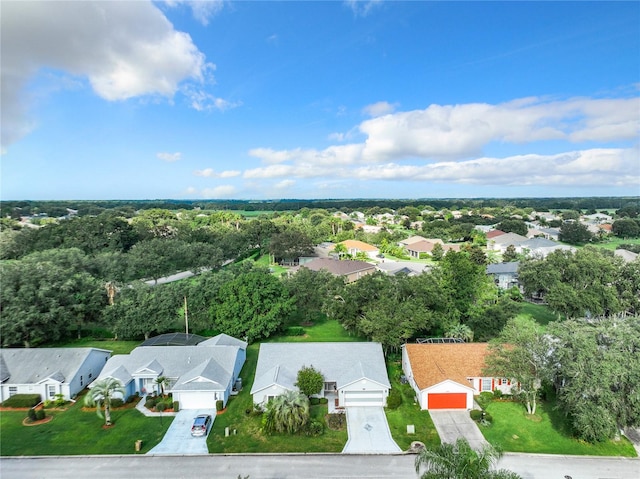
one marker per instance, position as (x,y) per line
(434,363)
(359,245)
(494,233)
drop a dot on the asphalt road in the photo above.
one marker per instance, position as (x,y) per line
(305,466)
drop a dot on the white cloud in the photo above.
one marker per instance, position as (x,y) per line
(202,10)
(223,191)
(123,49)
(378,109)
(285,184)
(211,173)
(170,157)
(591,167)
(362,8)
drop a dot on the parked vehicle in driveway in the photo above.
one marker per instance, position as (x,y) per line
(201,425)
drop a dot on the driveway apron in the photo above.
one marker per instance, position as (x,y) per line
(368,432)
(452,425)
(178,438)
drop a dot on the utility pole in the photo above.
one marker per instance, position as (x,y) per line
(186,317)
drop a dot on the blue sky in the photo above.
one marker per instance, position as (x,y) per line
(269,100)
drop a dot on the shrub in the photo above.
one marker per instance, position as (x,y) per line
(176,406)
(314,401)
(219,405)
(40,415)
(22,400)
(60,401)
(395,399)
(336,421)
(324,400)
(47,404)
(294,331)
(161,407)
(31,414)
(150,403)
(476,414)
(484,399)
(487,417)
(497,394)
(314,428)
(117,402)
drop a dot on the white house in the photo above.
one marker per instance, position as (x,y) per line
(449,375)
(49,371)
(505,275)
(197,376)
(354,373)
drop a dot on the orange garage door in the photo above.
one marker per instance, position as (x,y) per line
(447,401)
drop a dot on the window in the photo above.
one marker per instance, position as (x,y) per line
(13,390)
(90,375)
(81,381)
(486,384)
(52,391)
(506,381)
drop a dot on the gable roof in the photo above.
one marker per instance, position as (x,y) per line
(509,238)
(503,268)
(182,363)
(411,240)
(279,363)
(626,255)
(34,365)
(224,340)
(338,267)
(397,267)
(208,375)
(433,363)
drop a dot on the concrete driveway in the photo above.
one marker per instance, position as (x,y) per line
(368,432)
(453,424)
(178,438)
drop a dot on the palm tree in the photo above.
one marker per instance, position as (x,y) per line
(101,394)
(161,381)
(288,412)
(459,460)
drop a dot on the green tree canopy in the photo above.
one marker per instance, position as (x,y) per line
(521,353)
(513,226)
(253,305)
(310,381)
(574,232)
(598,374)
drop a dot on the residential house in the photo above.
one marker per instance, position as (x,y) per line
(547,233)
(355,374)
(541,247)
(426,246)
(502,242)
(505,275)
(351,270)
(410,240)
(354,247)
(449,375)
(49,371)
(596,218)
(197,376)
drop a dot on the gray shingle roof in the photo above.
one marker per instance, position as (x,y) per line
(182,363)
(208,375)
(224,340)
(509,238)
(502,268)
(279,363)
(32,365)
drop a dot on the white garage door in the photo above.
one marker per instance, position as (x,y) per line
(363,398)
(196,400)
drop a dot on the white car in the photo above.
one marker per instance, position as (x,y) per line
(201,425)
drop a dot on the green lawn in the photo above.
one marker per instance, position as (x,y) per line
(612,243)
(75,431)
(265,261)
(118,347)
(548,433)
(408,413)
(539,312)
(323,330)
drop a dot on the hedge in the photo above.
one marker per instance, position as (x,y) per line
(23,400)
